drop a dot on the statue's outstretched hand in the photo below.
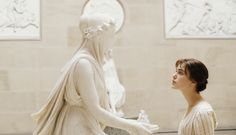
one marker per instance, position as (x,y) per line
(143,119)
(139,129)
(151,127)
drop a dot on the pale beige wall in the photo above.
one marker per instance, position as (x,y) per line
(144,58)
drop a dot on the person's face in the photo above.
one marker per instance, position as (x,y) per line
(180,79)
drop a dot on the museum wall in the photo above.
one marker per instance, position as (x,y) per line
(144,58)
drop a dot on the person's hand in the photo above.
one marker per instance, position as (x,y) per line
(138,129)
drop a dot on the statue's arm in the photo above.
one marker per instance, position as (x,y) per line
(90,98)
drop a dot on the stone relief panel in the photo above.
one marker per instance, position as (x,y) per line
(20,19)
(200,18)
(112,7)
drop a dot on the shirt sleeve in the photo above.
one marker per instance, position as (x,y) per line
(204,123)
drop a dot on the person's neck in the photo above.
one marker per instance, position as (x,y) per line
(192,97)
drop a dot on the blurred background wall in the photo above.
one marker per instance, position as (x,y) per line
(144,59)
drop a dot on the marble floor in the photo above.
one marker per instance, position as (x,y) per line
(230,132)
(216,133)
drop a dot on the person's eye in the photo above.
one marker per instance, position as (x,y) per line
(180,72)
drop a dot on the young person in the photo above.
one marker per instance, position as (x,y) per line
(191,79)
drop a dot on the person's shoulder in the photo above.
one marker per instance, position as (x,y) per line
(204,107)
(205,113)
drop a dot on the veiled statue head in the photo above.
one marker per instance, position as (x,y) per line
(98,30)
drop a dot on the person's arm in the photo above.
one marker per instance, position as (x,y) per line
(204,123)
(89,95)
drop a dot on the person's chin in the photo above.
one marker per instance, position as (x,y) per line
(172,83)
(173,86)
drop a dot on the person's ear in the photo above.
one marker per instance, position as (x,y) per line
(193,82)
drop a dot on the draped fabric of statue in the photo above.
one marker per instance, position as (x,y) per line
(115,88)
(65,113)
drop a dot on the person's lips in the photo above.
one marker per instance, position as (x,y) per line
(173,82)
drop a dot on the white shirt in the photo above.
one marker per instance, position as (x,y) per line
(200,121)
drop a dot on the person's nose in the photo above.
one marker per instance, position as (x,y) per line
(174,75)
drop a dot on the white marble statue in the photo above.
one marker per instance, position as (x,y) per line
(143,118)
(79,102)
(115,88)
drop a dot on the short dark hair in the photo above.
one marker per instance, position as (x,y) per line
(196,71)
